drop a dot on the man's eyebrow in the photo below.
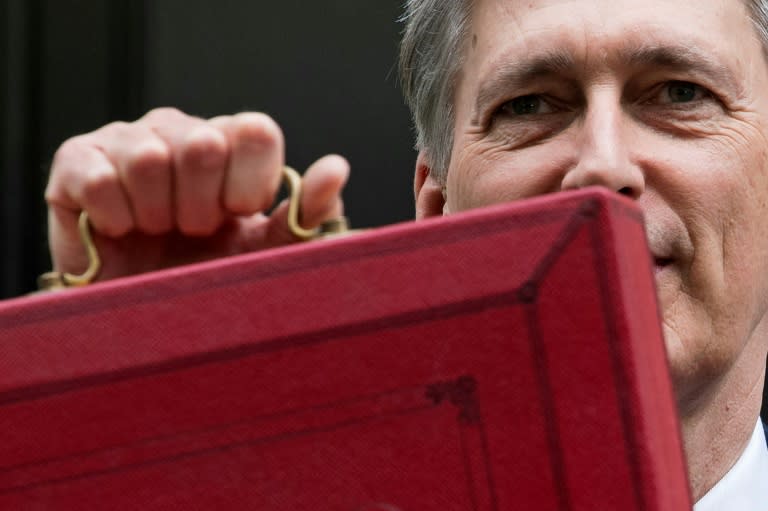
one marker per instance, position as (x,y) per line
(689,58)
(513,75)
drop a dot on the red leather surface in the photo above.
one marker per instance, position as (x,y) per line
(507,358)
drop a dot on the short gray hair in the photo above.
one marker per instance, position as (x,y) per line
(431,56)
(758,9)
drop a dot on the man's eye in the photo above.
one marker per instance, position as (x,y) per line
(526,105)
(681,92)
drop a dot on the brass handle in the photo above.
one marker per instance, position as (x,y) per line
(333,227)
(54,280)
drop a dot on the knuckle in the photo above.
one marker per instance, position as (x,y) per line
(205,146)
(52,195)
(165,114)
(114,129)
(147,159)
(257,129)
(69,151)
(97,185)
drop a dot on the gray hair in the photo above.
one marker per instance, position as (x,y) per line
(431,56)
(758,9)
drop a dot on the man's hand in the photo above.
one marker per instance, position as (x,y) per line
(170,189)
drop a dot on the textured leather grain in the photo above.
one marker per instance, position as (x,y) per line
(506,358)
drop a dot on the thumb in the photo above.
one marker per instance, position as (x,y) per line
(320,201)
(67,251)
(321,190)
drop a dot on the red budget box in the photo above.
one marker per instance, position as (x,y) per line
(505,358)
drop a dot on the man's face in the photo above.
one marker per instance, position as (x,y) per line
(664,101)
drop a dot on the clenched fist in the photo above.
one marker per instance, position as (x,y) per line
(170,189)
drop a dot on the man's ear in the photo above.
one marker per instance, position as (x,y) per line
(427,190)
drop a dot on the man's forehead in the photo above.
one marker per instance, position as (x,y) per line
(497,20)
(523,7)
(563,31)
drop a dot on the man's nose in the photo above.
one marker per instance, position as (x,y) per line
(604,153)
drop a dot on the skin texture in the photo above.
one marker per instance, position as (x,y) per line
(559,95)
(170,189)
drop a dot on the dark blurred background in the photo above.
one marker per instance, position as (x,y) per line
(325,70)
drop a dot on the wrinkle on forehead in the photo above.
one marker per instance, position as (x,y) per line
(587,22)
